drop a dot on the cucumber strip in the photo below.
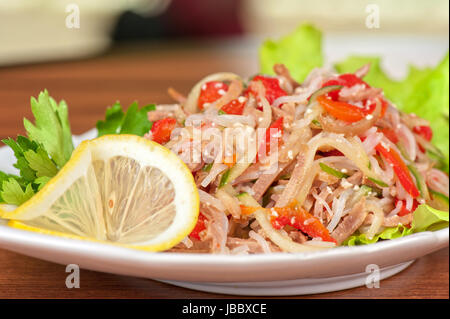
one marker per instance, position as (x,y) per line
(420,182)
(440,196)
(232,173)
(378,182)
(332,171)
(224,179)
(207,168)
(322,91)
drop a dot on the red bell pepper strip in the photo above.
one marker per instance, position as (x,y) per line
(234,107)
(211,92)
(405,211)
(162,129)
(390,134)
(349,80)
(341,110)
(272,86)
(295,216)
(424,131)
(199,227)
(400,169)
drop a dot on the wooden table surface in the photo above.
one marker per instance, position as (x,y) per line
(144,73)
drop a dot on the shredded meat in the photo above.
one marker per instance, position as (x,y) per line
(265,180)
(282,70)
(351,222)
(298,236)
(177,96)
(356,178)
(294,183)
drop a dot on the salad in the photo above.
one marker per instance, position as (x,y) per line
(296,158)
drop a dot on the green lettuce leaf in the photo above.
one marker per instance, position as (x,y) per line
(300,51)
(424,92)
(426,218)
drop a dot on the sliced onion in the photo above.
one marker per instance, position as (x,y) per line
(231,203)
(319,243)
(377,221)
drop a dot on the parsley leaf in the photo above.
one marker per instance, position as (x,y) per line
(41,163)
(36,169)
(133,121)
(12,193)
(40,155)
(51,128)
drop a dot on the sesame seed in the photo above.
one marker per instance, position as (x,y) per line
(369,117)
(274,212)
(345,183)
(221,92)
(386,146)
(277,134)
(241,99)
(344,170)
(290,155)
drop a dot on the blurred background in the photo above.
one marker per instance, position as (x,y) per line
(92,53)
(37,30)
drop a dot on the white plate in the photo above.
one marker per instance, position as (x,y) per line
(272,274)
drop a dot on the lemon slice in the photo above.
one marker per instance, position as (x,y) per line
(121,189)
